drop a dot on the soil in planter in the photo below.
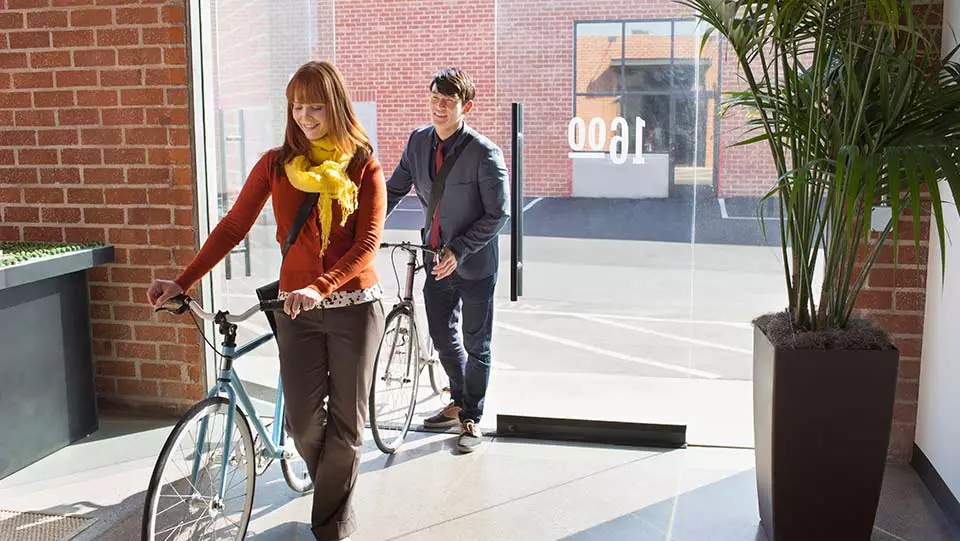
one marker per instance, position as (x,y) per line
(860,333)
(12,253)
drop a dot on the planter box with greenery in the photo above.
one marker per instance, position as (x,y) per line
(859,110)
(46,364)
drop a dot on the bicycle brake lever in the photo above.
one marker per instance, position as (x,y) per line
(181,301)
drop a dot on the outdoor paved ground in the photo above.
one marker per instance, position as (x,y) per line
(622,316)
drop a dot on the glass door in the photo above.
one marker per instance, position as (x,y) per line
(607,239)
(643,261)
(250,51)
(630,311)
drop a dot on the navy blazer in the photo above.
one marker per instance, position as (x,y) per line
(475,202)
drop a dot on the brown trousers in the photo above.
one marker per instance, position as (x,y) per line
(330,353)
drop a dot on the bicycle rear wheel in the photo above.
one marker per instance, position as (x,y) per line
(439,380)
(396,374)
(295,471)
(210,447)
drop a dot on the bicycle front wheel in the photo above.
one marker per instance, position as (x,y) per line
(396,374)
(203,483)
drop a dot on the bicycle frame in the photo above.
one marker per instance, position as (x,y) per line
(407,299)
(228,384)
(413,266)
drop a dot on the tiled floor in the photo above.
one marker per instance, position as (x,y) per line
(523,490)
(508,490)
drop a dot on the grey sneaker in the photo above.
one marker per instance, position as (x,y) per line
(447,417)
(470,437)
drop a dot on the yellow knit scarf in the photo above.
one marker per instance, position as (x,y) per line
(329,179)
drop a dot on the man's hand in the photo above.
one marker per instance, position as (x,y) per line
(301,300)
(446,265)
(160,291)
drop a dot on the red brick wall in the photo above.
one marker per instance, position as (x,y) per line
(744,170)
(95,145)
(517,50)
(895,298)
(390,55)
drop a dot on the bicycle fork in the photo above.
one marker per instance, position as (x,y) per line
(202,444)
(272,444)
(222,387)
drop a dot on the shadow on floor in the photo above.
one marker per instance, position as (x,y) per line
(726,511)
(288,531)
(718,512)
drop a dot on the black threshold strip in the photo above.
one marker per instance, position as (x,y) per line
(590,431)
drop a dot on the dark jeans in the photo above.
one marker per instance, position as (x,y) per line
(465,359)
(330,352)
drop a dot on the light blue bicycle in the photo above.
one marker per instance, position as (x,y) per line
(204,480)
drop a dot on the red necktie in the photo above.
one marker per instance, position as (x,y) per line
(435,226)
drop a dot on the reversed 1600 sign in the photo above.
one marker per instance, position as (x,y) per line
(580,134)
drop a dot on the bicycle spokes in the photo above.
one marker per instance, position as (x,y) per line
(395,381)
(210,451)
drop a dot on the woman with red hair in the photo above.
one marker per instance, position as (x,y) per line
(333,317)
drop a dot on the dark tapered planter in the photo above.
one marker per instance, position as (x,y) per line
(47,393)
(822,426)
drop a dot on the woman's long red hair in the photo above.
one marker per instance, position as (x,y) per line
(322,83)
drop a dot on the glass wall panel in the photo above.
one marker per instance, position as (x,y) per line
(641,274)
(255,46)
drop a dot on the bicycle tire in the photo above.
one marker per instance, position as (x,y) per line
(263,462)
(413,370)
(295,481)
(198,411)
(439,381)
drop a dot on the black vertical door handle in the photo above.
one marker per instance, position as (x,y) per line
(516,202)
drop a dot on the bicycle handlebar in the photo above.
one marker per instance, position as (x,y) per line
(411,247)
(183,302)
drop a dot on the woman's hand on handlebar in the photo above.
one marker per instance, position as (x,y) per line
(160,291)
(301,300)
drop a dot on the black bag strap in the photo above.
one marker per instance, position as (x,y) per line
(440,180)
(308,203)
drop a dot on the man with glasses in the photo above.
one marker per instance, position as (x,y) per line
(465,207)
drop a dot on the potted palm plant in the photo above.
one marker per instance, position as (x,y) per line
(861,114)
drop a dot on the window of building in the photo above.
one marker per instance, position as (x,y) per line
(655,71)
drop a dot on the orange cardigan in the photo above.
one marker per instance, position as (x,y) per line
(346,265)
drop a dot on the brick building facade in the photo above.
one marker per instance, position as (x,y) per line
(95,140)
(95,146)
(388,57)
